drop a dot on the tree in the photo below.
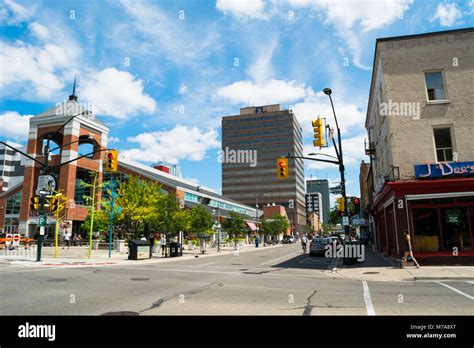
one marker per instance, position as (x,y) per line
(234,225)
(276,225)
(200,220)
(101,222)
(140,202)
(171,219)
(334,216)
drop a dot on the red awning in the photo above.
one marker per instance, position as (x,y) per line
(251,225)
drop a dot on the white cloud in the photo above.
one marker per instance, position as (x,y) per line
(25,66)
(14,125)
(181,142)
(113,140)
(352,148)
(182,89)
(12,13)
(116,93)
(40,30)
(262,70)
(271,92)
(447,14)
(353,18)
(349,116)
(242,9)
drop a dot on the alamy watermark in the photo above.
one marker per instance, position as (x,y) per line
(237,156)
(334,250)
(400,109)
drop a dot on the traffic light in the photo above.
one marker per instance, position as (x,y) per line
(34,203)
(341,204)
(53,204)
(356,203)
(282,168)
(111,161)
(318,127)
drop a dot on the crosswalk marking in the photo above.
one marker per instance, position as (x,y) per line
(367,299)
(456,290)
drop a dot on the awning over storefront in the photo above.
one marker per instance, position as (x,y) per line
(251,225)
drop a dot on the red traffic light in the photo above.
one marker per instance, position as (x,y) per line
(110,155)
(282,164)
(356,201)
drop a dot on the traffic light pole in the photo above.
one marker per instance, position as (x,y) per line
(328,92)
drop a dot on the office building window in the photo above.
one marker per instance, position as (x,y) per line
(14,203)
(444,144)
(435,85)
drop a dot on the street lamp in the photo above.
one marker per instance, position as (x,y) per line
(328,92)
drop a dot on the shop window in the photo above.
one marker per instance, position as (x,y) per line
(455,229)
(443,144)
(435,85)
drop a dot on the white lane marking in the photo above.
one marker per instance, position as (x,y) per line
(470,281)
(206,264)
(367,299)
(278,258)
(456,290)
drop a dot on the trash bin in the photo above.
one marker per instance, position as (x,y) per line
(175,249)
(138,249)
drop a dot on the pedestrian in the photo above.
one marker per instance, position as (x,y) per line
(163,244)
(66,239)
(408,251)
(257,241)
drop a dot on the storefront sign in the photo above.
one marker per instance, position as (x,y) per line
(438,170)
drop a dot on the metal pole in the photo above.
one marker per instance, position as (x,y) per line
(42,202)
(57,233)
(218,230)
(92,217)
(341,170)
(112,201)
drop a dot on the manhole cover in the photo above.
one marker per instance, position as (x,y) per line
(139,279)
(371,273)
(121,313)
(57,280)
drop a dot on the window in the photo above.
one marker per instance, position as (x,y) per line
(443,144)
(14,203)
(435,85)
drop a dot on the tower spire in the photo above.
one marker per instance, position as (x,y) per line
(73,95)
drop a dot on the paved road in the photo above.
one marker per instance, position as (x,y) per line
(274,280)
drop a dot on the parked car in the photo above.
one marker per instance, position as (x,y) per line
(318,245)
(288,239)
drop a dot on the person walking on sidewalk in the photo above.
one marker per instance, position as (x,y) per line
(66,239)
(408,251)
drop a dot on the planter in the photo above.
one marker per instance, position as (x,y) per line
(119,245)
(95,244)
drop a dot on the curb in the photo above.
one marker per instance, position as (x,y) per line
(445,278)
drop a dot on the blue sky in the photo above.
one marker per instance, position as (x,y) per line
(162,73)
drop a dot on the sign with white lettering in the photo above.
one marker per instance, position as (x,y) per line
(443,169)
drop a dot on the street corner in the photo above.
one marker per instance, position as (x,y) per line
(380,274)
(442,273)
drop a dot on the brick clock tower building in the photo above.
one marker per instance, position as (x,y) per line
(79,136)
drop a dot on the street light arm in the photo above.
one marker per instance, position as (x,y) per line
(78,158)
(24,154)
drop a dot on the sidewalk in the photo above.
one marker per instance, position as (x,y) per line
(77,257)
(380,268)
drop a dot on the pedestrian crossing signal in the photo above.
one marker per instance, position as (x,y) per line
(282,168)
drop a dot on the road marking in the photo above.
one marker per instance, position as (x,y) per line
(367,299)
(278,258)
(456,290)
(206,264)
(470,281)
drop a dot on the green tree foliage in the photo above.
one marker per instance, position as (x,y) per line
(235,226)
(171,219)
(200,220)
(335,216)
(140,201)
(276,225)
(101,222)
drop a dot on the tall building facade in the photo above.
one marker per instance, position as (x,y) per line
(322,187)
(11,166)
(251,143)
(420,121)
(314,204)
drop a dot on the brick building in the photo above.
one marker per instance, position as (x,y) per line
(420,124)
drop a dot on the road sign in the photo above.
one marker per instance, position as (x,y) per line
(42,221)
(8,239)
(335,190)
(46,185)
(16,239)
(345,220)
(42,231)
